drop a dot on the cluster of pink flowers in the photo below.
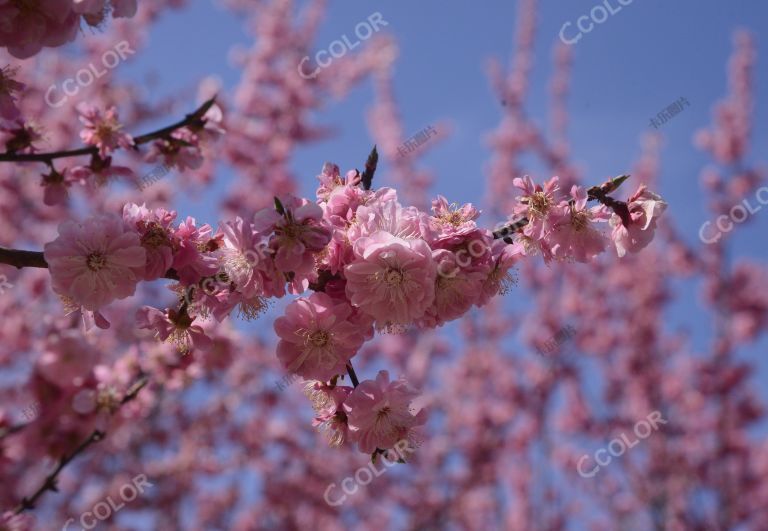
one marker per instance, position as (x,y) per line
(26,26)
(372,263)
(567,229)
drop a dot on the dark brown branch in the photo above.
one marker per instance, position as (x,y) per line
(28,502)
(19,259)
(352,375)
(193,119)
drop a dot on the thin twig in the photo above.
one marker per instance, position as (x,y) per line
(28,502)
(352,375)
(190,119)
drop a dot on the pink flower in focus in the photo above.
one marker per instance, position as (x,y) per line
(645,208)
(499,279)
(382,212)
(327,402)
(456,290)
(174,327)
(330,178)
(247,261)
(104,131)
(299,233)
(156,231)
(96,261)
(195,258)
(536,204)
(391,279)
(242,251)
(379,413)
(317,338)
(575,236)
(451,222)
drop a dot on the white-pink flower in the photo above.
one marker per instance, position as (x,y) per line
(96,261)
(156,231)
(379,413)
(327,401)
(299,233)
(645,208)
(391,279)
(175,327)
(457,288)
(317,337)
(103,131)
(382,212)
(575,236)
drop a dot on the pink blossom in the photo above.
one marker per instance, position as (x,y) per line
(536,204)
(499,280)
(451,222)
(329,179)
(243,250)
(327,401)
(379,413)
(382,212)
(575,236)
(175,327)
(180,150)
(96,261)
(56,186)
(20,136)
(195,258)
(156,231)
(100,171)
(317,338)
(456,289)
(26,27)
(645,208)
(103,131)
(391,279)
(299,233)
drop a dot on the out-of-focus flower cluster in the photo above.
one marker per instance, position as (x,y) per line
(181,149)
(26,26)
(372,263)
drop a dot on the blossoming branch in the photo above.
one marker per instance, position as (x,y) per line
(374,265)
